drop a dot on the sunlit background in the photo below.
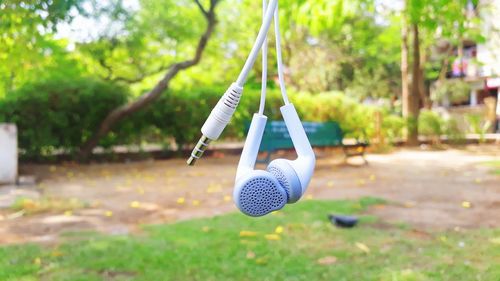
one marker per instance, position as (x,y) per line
(101,103)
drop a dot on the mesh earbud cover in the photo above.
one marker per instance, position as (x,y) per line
(287,177)
(258,194)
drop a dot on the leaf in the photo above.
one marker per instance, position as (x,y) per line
(273,237)
(466,205)
(279,229)
(246,233)
(495,240)
(327,260)
(363,247)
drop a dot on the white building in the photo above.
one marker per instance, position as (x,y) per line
(480,64)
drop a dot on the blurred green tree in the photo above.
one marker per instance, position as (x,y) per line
(183,61)
(429,21)
(27,49)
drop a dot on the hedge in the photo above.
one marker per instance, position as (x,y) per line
(59,115)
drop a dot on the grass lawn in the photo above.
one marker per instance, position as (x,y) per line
(298,243)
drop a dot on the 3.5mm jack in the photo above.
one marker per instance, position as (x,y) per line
(198,150)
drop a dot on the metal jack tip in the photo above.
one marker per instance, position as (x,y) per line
(198,150)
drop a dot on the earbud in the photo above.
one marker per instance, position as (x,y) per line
(257,192)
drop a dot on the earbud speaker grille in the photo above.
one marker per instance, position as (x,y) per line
(278,174)
(261,196)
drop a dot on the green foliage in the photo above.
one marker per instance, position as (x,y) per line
(27,48)
(213,249)
(355,120)
(60,113)
(456,91)
(478,125)
(393,127)
(139,49)
(431,124)
(454,133)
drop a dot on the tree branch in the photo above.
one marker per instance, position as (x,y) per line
(126,110)
(201,8)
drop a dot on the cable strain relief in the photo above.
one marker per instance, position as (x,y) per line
(223,112)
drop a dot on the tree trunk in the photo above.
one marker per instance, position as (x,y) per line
(148,98)
(414,95)
(424,92)
(405,91)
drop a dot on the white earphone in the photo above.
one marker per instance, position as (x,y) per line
(259,192)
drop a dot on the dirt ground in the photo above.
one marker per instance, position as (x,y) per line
(426,189)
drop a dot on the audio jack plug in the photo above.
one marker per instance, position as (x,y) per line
(198,150)
(217,121)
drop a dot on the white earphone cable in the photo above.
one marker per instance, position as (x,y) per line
(264,65)
(258,43)
(279,57)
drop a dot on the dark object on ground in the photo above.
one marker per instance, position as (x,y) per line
(343,221)
(326,134)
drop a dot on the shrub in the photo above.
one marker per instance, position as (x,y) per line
(431,124)
(355,120)
(478,125)
(393,127)
(456,90)
(60,114)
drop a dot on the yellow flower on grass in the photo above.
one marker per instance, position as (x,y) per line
(227,198)
(135,204)
(363,247)
(205,229)
(56,253)
(273,237)
(279,229)
(360,182)
(196,202)
(466,204)
(37,261)
(181,200)
(495,240)
(246,233)
(309,197)
(68,213)
(108,213)
(373,177)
